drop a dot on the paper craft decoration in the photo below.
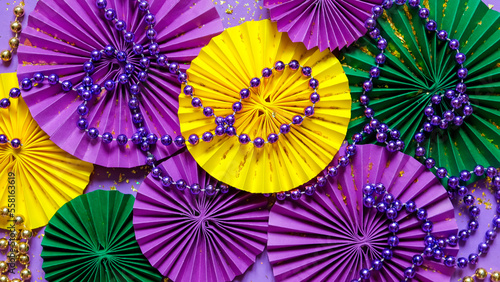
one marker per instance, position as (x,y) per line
(59,38)
(330,236)
(45,176)
(418,63)
(224,67)
(330,24)
(198,237)
(91,238)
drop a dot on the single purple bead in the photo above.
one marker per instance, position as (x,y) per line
(309,111)
(465,175)
(430,163)
(368,189)
(479,170)
(491,171)
(456,103)
(418,260)
(179,141)
(436,120)
(400,2)
(279,66)
(368,201)
(95,55)
(207,136)
(82,110)
(188,90)
(143,5)
(150,19)
(4,103)
(450,261)
(220,130)
(82,124)
(454,44)
(467,110)
(136,138)
(306,71)
(267,72)
(468,200)
(88,67)
(374,33)
(166,181)
(193,139)
(452,240)
(444,124)
(377,264)
(427,226)
(196,102)
(380,59)
(15,143)
(490,235)
(367,85)
(258,142)
(294,65)
(374,124)
(107,137)
(441,172)
(350,149)
(244,93)
(397,204)
(381,43)
(86,95)
(419,137)
(496,221)
(369,112)
(144,146)
(231,131)
(461,87)
(297,120)
(463,235)
(142,76)
(448,115)
(442,35)
(220,120)
(453,181)
(101,4)
(420,151)
(460,58)
(121,139)
(284,128)
(332,171)
(87,81)
(26,84)
(377,11)
(462,191)
(421,214)
(380,188)
(295,194)
(230,120)
(93,133)
(134,89)
(414,3)
(173,67)
(162,60)
(210,190)
(438,254)
(364,273)
(387,254)
(180,184)
(109,85)
(357,137)
(272,138)
(123,78)
(144,62)
(381,137)
(244,139)
(195,189)
(483,247)
(395,134)
(423,13)
(392,146)
(182,77)
(429,111)
(429,241)
(166,140)
(473,258)
(138,49)
(462,73)
(427,127)
(436,99)
(462,262)
(151,34)
(458,120)
(370,23)
(129,37)
(431,25)
(374,72)
(391,213)
(393,227)
(281,196)
(237,106)
(137,118)
(387,4)
(208,111)
(474,211)
(255,82)
(110,14)
(313,84)
(409,272)
(16,92)
(120,25)
(109,50)
(428,251)
(3,139)
(344,161)
(321,181)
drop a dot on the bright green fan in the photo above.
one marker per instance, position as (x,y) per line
(91,238)
(419,65)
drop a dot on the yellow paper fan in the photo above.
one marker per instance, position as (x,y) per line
(224,67)
(46,177)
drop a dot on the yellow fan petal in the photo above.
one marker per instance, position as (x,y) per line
(42,176)
(224,67)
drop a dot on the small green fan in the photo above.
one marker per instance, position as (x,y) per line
(91,238)
(419,65)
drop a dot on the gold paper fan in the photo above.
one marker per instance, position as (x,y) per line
(42,176)
(224,67)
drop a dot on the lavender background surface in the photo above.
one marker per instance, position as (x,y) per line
(233,13)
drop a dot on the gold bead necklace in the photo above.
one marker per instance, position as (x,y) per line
(19,248)
(16,27)
(481,274)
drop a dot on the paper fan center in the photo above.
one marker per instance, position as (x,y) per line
(273,103)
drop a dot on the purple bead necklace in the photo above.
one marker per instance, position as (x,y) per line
(224,125)
(4,104)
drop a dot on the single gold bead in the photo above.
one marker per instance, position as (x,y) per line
(14,246)
(14,42)
(19,11)
(4,278)
(16,280)
(5,210)
(481,273)
(24,259)
(25,274)
(4,244)
(6,56)
(4,267)
(468,279)
(19,219)
(16,26)
(14,234)
(11,256)
(26,234)
(23,247)
(495,276)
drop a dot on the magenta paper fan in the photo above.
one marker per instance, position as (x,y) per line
(325,24)
(198,237)
(331,236)
(59,38)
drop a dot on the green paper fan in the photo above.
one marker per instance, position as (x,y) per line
(419,65)
(91,238)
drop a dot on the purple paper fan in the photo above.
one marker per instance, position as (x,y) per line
(198,237)
(331,236)
(59,38)
(325,24)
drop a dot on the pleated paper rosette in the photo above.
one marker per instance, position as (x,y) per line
(325,24)
(418,65)
(198,237)
(330,236)
(37,178)
(92,238)
(224,67)
(59,38)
